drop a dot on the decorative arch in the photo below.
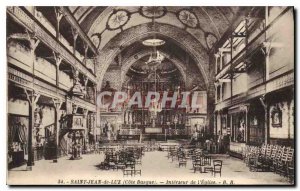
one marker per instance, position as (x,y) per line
(181,38)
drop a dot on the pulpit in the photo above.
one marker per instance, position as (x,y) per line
(76,136)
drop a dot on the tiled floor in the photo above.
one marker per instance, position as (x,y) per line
(156,169)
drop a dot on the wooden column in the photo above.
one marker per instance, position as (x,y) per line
(58,60)
(32,98)
(221,92)
(246,109)
(265,106)
(75,35)
(85,80)
(85,121)
(221,60)
(216,123)
(216,91)
(216,63)
(266,50)
(86,48)
(231,72)
(59,16)
(95,93)
(231,128)
(57,104)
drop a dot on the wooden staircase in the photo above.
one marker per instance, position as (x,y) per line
(63,148)
(50,137)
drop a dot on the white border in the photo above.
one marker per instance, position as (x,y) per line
(3,64)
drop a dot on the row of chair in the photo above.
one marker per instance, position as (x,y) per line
(125,159)
(274,158)
(201,161)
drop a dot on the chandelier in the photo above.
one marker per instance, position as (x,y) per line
(156,57)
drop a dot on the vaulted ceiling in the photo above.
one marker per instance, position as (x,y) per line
(206,24)
(190,33)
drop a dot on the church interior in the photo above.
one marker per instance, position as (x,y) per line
(225,75)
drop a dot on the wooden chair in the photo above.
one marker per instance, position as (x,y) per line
(112,165)
(291,173)
(245,153)
(217,167)
(138,161)
(137,172)
(182,162)
(255,164)
(207,160)
(174,155)
(120,165)
(130,164)
(277,160)
(286,159)
(127,172)
(198,164)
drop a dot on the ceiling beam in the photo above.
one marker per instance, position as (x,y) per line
(71,19)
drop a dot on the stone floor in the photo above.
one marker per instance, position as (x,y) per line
(156,169)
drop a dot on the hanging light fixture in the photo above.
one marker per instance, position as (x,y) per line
(154,60)
(155,57)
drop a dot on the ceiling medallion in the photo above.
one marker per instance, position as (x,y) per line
(188,18)
(117,19)
(152,12)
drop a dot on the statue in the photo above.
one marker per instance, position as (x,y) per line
(77,89)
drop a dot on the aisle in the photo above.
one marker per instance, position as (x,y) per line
(155,167)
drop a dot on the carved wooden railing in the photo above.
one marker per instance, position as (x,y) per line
(32,24)
(252,45)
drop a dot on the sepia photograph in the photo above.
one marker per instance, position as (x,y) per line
(150,95)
